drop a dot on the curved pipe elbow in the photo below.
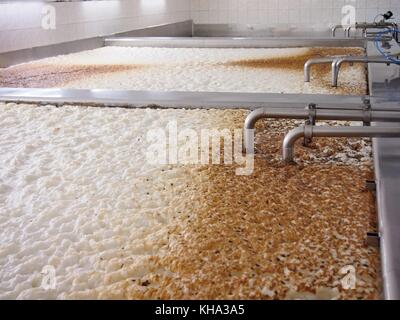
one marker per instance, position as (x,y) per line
(253,117)
(335,72)
(327,131)
(249,126)
(307,71)
(289,142)
(336,65)
(347,32)
(315,61)
(334,31)
(335,28)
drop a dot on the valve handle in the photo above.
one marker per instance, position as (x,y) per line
(388,15)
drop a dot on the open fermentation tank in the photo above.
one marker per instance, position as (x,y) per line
(78,192)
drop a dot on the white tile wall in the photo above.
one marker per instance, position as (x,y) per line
(20,23)
(287,12)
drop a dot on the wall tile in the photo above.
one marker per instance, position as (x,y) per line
(319,13)
(20,23)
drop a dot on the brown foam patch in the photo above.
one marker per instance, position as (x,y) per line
(47,76)
(320,73)
(275,231)
(284,232)
(295,62)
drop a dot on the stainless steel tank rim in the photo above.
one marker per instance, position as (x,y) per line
(211,100)
(387,168)
(233,42)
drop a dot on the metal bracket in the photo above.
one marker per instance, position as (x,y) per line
(373,239)
(367,112)
(308,132)
(312,117)
(371,185)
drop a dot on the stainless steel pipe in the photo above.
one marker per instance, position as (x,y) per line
(375,25)
(320,114)
(311,62)
(364,26)
(326,131)
(337,63)
(335,28)
(379,25)
(347,32)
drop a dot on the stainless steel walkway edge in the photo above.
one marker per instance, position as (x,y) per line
(207,100)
